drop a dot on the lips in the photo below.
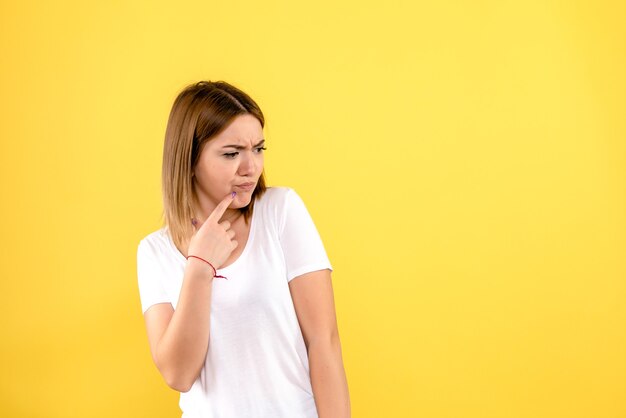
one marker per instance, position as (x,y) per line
(245,186)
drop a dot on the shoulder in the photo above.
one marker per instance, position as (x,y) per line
(156,242)
(275,193)
(275,198)
(275,204)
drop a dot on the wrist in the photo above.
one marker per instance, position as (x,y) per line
(201,267)
(214,274)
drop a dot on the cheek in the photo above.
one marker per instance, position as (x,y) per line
(260,161)
(211,172)
(221,171)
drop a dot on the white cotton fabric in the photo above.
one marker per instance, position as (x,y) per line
(257,364)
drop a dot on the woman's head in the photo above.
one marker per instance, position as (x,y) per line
(199,166)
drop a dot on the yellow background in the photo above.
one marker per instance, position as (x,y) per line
(464,161)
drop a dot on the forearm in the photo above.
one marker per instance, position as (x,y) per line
(182,349)
(328,379)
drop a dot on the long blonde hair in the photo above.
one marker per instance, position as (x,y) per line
(200,112)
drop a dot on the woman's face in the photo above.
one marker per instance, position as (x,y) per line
(230,162)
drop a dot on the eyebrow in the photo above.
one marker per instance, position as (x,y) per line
(262,142)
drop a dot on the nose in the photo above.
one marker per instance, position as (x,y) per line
(247,165)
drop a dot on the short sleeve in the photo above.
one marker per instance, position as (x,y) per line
(301,243)
(151,288)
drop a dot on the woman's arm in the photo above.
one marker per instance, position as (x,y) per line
(179,339)
(313,300)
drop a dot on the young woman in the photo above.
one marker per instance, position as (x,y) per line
(236,286)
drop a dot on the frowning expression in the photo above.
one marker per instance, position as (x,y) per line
(232,161)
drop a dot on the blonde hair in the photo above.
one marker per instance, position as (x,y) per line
(200,112)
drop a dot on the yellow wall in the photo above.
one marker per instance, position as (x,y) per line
(465,163)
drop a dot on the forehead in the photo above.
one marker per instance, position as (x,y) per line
(243,130)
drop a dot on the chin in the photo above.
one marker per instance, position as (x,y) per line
(241,201)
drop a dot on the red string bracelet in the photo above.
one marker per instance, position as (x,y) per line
(214,269)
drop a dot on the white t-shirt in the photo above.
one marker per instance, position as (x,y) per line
(257,364)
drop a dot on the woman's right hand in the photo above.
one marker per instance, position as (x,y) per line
(213,240)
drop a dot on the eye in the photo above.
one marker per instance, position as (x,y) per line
(260,149)
(231,154)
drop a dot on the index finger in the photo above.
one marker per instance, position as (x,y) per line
(219,210)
